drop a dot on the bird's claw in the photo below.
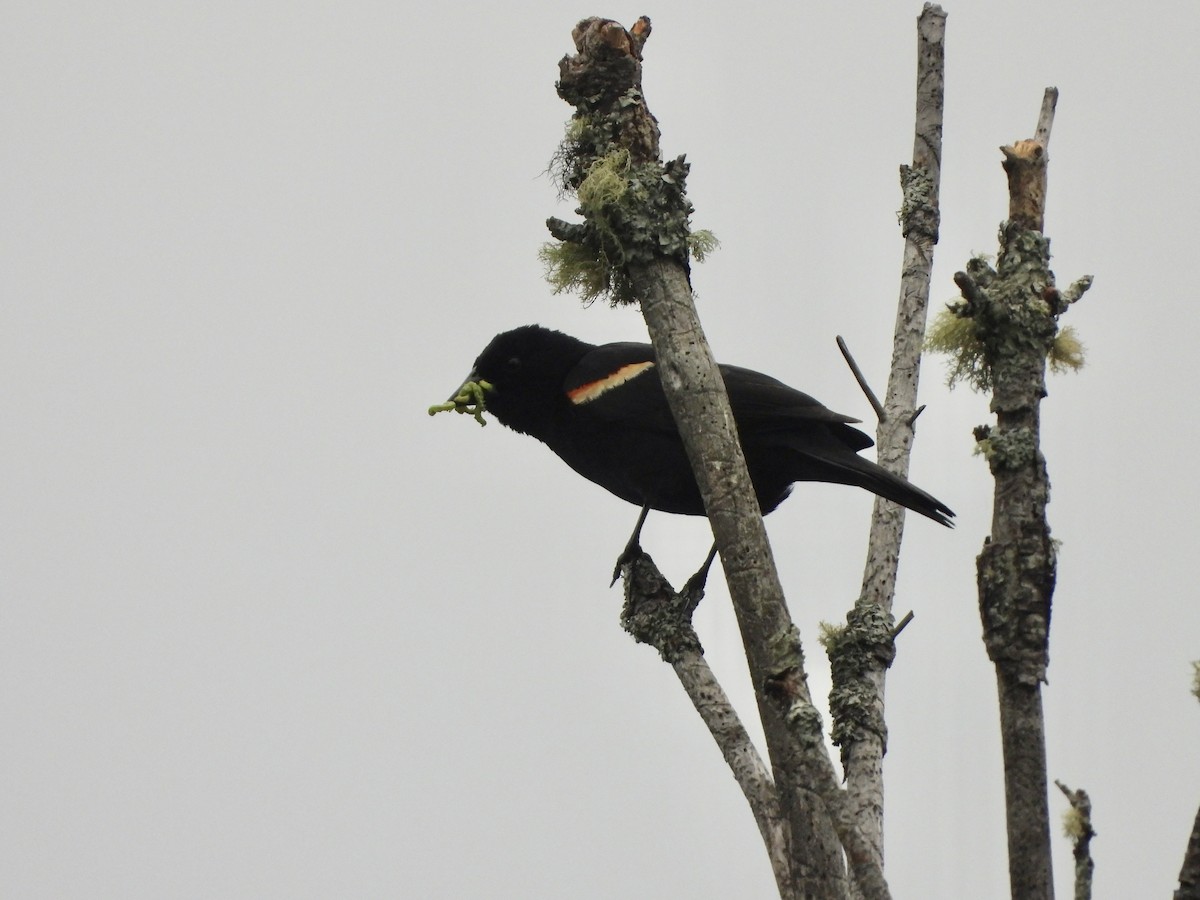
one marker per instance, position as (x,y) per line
(633,550)
(694,586)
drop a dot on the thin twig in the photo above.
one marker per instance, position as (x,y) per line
(902,624)
(1079,829)
(1046,117)
(880,413)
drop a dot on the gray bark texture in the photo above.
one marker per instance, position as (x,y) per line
(860,675)
(656,614)
(1015,309)
(809,796)
(1079,828)
(643,243)
(1189,875)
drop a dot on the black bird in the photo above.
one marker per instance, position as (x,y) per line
(602,409)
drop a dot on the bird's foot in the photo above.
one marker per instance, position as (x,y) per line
(632,552)
(633,549)
(695,584)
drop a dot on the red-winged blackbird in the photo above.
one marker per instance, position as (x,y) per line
(602,409)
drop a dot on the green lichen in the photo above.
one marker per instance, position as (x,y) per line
(785,648)
(578,268)
(918,215)
(830,636)
(635,210)
(956,337)
(1006,314)
(1066,353)
(470,400)
(606,182)
(805,721)
(588,138)
(862,646)
(701,244)
(1010,449)
(955,332)
(576,130)
(1075,826)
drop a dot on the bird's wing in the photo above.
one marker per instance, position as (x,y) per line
(767,404)
(618,384)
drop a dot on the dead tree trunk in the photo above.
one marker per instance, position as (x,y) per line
(1014,309)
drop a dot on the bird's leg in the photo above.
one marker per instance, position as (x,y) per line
(695,584)
(632,548)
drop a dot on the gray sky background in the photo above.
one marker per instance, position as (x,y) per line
(267,630)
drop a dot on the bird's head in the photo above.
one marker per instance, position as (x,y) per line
(524,370)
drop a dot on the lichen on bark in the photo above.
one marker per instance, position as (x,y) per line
(863,645)
(634,204)
(1013,313)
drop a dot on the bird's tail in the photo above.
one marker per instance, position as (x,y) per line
(875,478)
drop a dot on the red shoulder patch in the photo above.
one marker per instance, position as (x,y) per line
(594,389)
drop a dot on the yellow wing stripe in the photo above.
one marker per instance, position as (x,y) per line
(594,389)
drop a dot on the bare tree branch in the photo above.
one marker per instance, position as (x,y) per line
(697,393)
(646,248)
(655,614)
(1078,825)
(880,414)
(1046,117)
(859,725)
(902,624)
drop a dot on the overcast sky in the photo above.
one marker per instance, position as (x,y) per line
(268,630)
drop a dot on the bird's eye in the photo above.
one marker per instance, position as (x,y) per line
(514,363)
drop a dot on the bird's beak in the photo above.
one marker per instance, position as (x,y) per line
(473,387)
(460,391)
(469,399)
